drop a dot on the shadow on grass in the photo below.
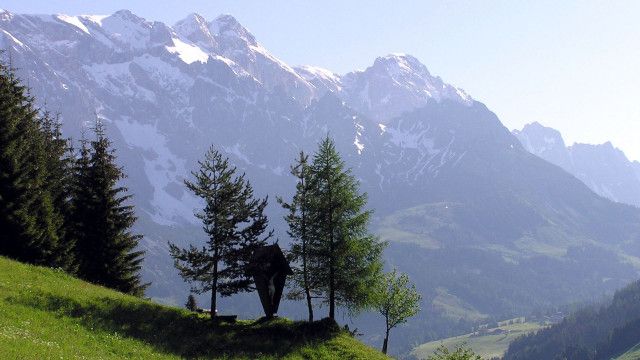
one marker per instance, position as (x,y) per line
(184,334)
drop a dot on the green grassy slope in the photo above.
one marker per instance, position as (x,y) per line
(487,346)
(631,354)
(46,314)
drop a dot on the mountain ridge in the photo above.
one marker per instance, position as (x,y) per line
(604,168)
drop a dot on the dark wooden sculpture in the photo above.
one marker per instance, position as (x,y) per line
(270,268)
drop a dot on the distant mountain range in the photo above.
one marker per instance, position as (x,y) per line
(603,168)
(482,226)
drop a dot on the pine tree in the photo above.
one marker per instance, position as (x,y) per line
(348,257)
(191,303)
(105,245)
(396,300)
(298,221)
(234,222)
(29,222)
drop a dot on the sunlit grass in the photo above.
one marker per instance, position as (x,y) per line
(46,314)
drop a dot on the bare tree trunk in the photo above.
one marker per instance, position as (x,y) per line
(332,285)
(386,342)
(309,304)
(214,288)
(305,271)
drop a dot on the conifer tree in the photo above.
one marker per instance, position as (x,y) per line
(298,221)
(105,245)
(59,177)
(348,257)
(191,303)
(235,223)
(81,199)
(28,219)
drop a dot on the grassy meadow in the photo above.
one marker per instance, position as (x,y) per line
(46,314)
(487,346)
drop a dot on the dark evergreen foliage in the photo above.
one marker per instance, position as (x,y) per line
(105,245)
(30,224)
(596,332)
(235,223)
(59,178)
(191,303)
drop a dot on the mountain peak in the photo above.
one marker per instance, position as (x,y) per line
(195,28)
(191,22)
(397,83)
(400,62)
(127,15)
(227,26)
(539,140)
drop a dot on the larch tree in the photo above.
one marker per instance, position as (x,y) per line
(235,224)
(298,220)
(397,300)
(347,257)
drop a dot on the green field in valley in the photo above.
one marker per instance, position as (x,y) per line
(491,343)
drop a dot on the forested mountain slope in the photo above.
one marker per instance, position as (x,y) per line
(597,332)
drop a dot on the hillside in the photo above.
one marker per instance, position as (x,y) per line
(492,343)
(46,314)
(631,354)
(604,331)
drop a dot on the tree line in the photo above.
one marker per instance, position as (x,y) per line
(61,206)
(335,259)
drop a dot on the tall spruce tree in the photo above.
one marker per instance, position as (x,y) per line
(59,178)
(348,257)
(235,223)
(105,246)
(298,220)
(29,222)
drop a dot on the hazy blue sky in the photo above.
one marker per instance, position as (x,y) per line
(572,65)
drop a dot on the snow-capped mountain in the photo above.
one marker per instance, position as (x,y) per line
(467,209)
(603,168)
(395,84)
(161,85)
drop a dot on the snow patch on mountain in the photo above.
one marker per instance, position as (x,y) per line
(16,41)
(73,20)
(322,79)
(118,80)
(188,53)
(163,169)
(96,19)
